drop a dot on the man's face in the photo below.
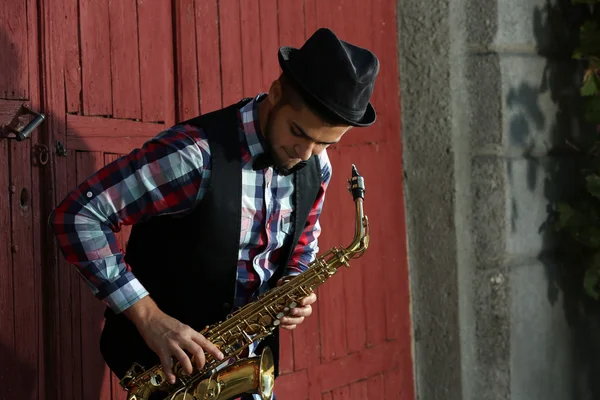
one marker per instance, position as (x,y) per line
(296,135)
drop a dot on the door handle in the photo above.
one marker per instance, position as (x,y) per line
(12,131)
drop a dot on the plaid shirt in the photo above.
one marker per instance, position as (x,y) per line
(170,174)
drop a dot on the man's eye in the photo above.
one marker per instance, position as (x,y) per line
(294,132)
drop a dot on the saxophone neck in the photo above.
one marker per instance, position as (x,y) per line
(361,231)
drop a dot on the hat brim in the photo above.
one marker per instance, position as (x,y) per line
(284,55)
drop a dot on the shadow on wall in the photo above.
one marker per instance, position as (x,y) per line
(556,31)
(17,379)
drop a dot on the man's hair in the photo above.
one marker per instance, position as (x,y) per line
(291,96)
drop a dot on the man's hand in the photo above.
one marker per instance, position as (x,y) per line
(168,337)
(297,315)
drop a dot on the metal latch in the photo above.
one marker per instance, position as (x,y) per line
(15,130)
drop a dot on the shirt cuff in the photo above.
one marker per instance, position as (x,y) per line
(124,292)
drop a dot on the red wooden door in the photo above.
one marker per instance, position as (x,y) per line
(21,337)
(118,72)
(110,86)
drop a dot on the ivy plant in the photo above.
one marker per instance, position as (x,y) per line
(580,218)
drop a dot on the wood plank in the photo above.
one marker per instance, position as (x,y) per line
(269,42)
(156,61)
(307,345)
(188,100)
(342,393)
(359,390)
(8,372)
(52,56)
(24,295)
(231,51)
(251,51)
(89,127)
(311,18)
(208,53)
(69,315)
(8,109)
(376,389)
(113,145)
(335,230)
(39,176)
(355,307)
(13,47)
(286,348)
(95,57)
(332,321)
(373,263)
(96,377)
(291,23)
(72,59)
(352,368)
(292,386)
(307,339)
(353,295)
(124,58)
(386,96)
(395,385)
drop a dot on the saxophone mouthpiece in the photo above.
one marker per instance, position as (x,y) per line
(357,184)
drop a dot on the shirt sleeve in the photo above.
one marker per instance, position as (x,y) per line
(166,175)
(307,247)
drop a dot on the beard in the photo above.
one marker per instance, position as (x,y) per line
(281,167)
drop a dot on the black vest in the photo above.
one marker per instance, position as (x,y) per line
(188,264)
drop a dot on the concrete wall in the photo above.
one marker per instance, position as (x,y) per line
(489,94)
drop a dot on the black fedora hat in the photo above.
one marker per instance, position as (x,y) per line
(333,76)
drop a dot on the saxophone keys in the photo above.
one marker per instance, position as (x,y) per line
(280,315)
(293,304)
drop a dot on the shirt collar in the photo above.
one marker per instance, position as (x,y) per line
(251,126)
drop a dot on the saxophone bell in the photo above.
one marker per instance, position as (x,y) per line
(254,375)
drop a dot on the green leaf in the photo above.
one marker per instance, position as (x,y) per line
(593,185)
(590,236)
(591,84)
(591,278)
(590,283)
(592,109)
(589,39)
(564,214)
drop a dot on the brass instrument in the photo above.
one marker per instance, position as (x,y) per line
(251,323)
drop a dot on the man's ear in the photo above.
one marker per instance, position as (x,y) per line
(275,92)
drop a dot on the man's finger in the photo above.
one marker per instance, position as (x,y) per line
(289,327)
(310,299)
(166,360)
(183,358)
(208,346)
(292,320)
(305,311)
(198,354)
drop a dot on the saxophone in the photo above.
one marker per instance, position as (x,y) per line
(223,380)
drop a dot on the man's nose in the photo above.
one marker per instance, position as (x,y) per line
(305,150)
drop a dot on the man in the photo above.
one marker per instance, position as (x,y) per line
(224,206)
